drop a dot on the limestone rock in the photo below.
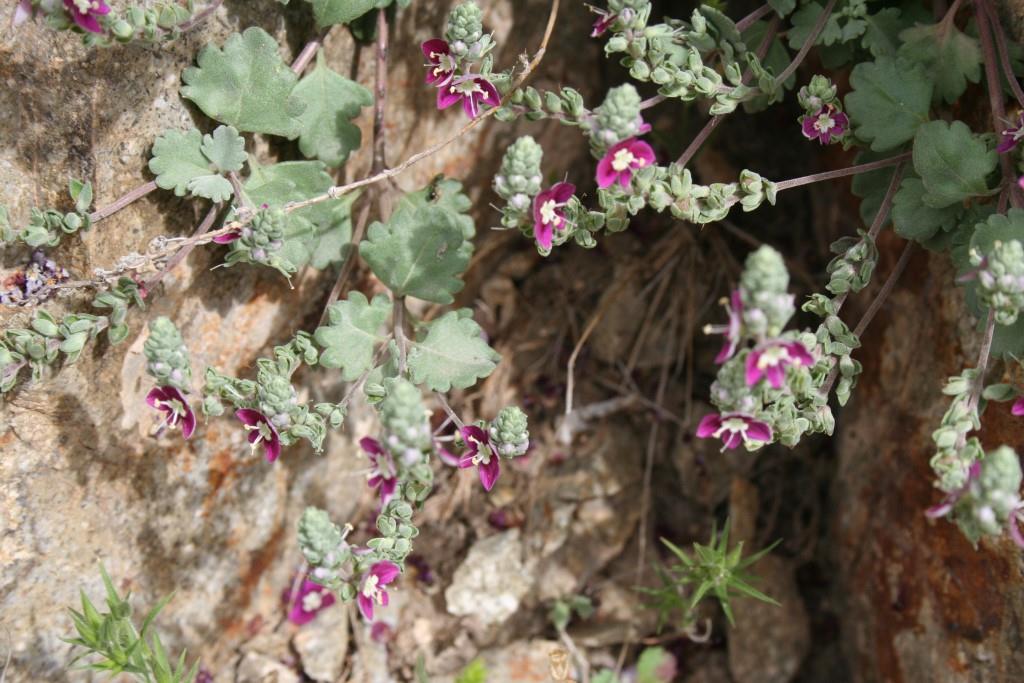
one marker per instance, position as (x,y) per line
(322,644)
(491,582)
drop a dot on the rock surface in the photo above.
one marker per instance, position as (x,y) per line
(491,582)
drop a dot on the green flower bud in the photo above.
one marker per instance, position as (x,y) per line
(404,417)
(167,358)
(1001,280)
(465,27)
(519,178)
(509,432)
(618,117)
(991,497)
(262,240)
(816,94)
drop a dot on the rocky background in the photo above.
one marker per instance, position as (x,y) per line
(870,590)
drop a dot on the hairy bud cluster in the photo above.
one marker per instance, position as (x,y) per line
(1001,280)
(167,358)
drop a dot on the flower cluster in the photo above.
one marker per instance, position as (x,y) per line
(823,119)
(102,25)
(767,387)
(260,241)
(988,502)
(24,285)
(167,361)
(618,118)
(1000,277)
(450,63)
(268,407)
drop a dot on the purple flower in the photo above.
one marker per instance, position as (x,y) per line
(312,598)
(1011,136)
(621,160)
(549,212)
(228,237)
(828,124)
(471,91)
(371,589)
(441,65)
(173,404)
(382,471)
(771,359)
(603,23)
(260,431)
(733,429)
(84,13)
(953,497)
(479,454)
(733,330)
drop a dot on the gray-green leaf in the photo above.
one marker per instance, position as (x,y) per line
(953,163)
(177,159)
(330,12)
(212,186)
(349,340)
(419,253)
(950,57)
(225,148)
(331,102)
(914,220)
(890,99)
(246,84)
(453,354)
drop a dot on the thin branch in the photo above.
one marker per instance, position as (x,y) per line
(203,228)
(1004,54)
(748,21)
(121,202)
(380,93)
(842,172)
(979,379)
(398,322)
(873,308)
(308,52)
(199,17)
(350,261)
(448,410)
(812,38)
(712,124)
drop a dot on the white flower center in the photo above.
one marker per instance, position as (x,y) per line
(371,589)
(83,5)
(824,124)
(772,357)
(623,159)
(732,424)
(313,601)
(547,212)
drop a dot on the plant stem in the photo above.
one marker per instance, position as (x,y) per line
(812,38)
(651,101)
(995,94)
(448,409)
(979,379)
(877,223)
(398,322)
(1004,55)
(121,202)
(199,17)
(886,289)
(842,172)
(710,126)
(178,257)
(380,93)
(748,21)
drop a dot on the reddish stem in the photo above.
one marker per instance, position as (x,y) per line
(121,202)
(842,172)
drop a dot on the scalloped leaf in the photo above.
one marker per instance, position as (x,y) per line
(953,163)
(331,102)
(348,341)
(246,84)
(890,100)
(420,252)
(225,149)
(949,56)
(914,220)
(177,159)
(452,354)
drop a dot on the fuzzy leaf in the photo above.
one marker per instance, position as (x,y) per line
(949,57)
(246,84)
(953,163)
(444,193)
(331,102)
(914,220)
(177,159)
(883,29)
(782,7)
(225,149)
(330,12)
(419,252)
(212,186)
(315,233)
(349,340)
(998,228)
(453,354)
(890,99)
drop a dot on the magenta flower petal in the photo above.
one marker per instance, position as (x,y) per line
(365,606)
(446,97)
(733,440)
(175,407)
(1015,532)
(440,65)
(606,177)
(622,160)
(602,24)
(709,424)
(385,571)
(227,237)
(261,430)
(1018,407)
(549,212)
(447,457)
(433,48)
(759,431)
(371,445)
(87,19)
(22,13)
(489,473)
(311,599)
(753,372)
(387,490)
